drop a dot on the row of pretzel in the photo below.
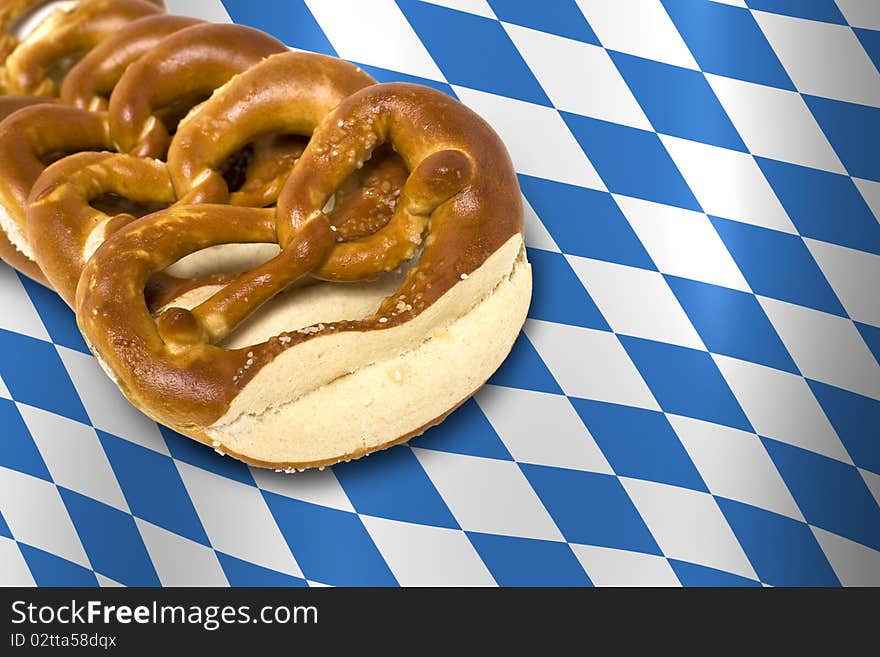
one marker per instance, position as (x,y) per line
(131,140)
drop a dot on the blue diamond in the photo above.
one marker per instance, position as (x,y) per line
(559,296)
(728,41)
(243,573)
(591,508)
(49,570)
(639,443)
(19,451)
(691,574)
(631,162)
(832,495)
(732,323)
(528,562)
(153,487)
(392,484)
(111,539)
(782,551)
(290,21)
(678,101)
(331,546)
(686,382)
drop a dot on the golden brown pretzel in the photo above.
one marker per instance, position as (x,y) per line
(461,204)
(88,84)
(235,47)
(65,228)
(32,67)
(31,138)
(182,70)
(8,251)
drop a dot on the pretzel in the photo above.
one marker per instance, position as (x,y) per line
(88,84)
(33,67)
(8,251)
(40,134)
(65,228)
(325,391)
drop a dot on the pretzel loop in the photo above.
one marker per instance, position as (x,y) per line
(61,219)
(89,84)
(181,71)
(65,34)
(30,137)
(66,229)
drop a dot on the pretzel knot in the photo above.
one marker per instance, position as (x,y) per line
(68,216)
(150,90)
(213,365)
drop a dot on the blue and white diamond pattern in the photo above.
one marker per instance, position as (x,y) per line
(694,400)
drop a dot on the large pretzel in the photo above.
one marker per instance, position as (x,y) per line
(329,390)
(65,227)
(33,67)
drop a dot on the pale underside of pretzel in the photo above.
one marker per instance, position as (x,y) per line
(460,206)
(34,66)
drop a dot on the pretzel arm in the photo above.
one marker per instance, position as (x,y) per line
(218,316)
(89,84)
(186,66)
(11,12)
(171,358)
(65,229)
(31,135)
